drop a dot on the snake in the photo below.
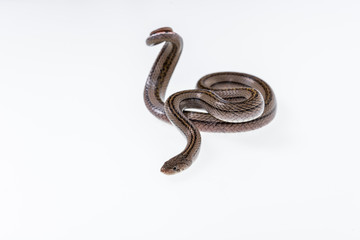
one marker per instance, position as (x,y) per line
(222,102)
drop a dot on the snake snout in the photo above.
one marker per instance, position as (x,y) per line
(168,171)
(175,165)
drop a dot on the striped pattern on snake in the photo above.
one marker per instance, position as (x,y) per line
(234,102)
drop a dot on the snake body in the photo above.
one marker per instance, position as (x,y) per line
(234,102)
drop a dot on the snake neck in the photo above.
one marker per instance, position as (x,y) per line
(161,71)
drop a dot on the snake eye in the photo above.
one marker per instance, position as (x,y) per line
(174,168)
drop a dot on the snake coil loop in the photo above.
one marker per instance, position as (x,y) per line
(235,102)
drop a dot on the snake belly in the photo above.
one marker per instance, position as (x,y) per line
(234,102)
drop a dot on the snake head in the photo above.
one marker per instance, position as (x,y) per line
(164,34)
(161,30)
(175,165)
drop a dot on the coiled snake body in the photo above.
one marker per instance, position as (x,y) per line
(235,102)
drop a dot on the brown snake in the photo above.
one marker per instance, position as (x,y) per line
(235,102)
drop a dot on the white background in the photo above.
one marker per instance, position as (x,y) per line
(80,155)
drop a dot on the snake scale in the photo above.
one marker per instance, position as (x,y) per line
(234,102)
